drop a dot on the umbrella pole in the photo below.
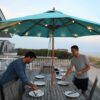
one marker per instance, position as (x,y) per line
(52,69)
(52,48)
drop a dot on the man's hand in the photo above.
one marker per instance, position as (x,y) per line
(34,87)
(63,78)
(79,73)
(70,69)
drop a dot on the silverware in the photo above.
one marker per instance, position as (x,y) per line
(35,93)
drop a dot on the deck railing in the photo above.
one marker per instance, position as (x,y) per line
(37,63)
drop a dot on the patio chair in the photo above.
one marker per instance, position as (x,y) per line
(93,89)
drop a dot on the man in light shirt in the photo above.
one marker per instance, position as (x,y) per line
(82,66)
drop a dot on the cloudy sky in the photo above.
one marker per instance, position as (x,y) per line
(86,9)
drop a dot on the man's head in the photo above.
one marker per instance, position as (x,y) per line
(75,50)
(29,57)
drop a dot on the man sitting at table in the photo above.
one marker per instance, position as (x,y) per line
(82,66)
(16,70)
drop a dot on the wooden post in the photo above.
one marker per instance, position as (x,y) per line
(52,69)
(52,48)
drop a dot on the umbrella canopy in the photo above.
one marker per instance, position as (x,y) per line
(42,25)
(50,24)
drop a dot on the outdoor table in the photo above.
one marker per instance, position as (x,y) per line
(55,92)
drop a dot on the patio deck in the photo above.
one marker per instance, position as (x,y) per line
(13,89)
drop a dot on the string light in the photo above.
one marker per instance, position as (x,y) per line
(75,35)
(73,21)
(19,23)
(46,25)
(89,28)
(6,30)
(39,34)
(27,33)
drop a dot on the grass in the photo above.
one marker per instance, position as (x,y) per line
(95,61)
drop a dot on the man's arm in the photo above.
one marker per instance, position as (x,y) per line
(70,69)
(85,68)
(20,71)
(34,87)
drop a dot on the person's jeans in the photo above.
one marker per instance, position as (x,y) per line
(2,93)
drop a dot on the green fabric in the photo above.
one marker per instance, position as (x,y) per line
(42,25)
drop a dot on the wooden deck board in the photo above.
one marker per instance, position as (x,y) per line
(51,93)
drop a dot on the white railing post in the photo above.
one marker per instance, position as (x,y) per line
(0,65)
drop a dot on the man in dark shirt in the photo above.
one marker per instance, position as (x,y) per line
(16,70)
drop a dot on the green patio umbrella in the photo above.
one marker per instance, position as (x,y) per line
(50,24)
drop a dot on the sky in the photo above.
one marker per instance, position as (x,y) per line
(86,9)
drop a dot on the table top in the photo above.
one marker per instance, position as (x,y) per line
(55,92)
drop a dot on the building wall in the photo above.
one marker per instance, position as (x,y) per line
(3,34)
(2,17)
(6,46)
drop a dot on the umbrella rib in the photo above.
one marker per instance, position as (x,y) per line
(8,26)
(31,27)
(65,24)
(43,26)
(68,28)
(11,25)
(86,27)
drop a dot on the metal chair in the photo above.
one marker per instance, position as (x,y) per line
(93,89)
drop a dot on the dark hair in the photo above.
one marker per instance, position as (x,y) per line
(75,47)
(30,54)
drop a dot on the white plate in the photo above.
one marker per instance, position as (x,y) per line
(72,94)
(39,83)
(63,83)
(62,73)
(36,93)
(59,77)
(40,76)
